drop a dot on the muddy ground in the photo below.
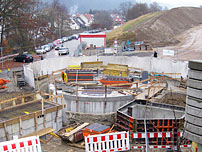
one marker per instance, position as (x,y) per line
(189,48)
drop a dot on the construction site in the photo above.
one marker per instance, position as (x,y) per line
(95,101)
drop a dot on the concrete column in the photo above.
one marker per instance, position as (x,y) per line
(193,114)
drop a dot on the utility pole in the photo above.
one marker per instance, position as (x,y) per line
(1,47)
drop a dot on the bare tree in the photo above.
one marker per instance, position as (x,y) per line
(58,17)
(13,12)
(154,7)
(103,19)
(137,10)
(142,8)
(124,8)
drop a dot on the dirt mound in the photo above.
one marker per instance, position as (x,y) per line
(161,29)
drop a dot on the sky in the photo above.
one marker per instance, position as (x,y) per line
(176,3)
(85,5)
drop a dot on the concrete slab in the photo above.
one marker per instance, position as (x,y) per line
(195,74)
(194,93)
(195,65)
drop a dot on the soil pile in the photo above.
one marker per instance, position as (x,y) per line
(162,28)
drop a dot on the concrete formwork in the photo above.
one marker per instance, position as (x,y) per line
(193,116)
(26,118)
(158,117)
(97,108)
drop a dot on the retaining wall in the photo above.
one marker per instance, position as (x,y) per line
(147,63)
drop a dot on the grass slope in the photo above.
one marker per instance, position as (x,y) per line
(122,33)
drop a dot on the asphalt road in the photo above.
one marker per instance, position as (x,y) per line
(72,45)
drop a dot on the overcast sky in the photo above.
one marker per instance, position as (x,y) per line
(85,5)
(176,3)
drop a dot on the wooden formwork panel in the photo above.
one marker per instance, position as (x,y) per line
(93,65)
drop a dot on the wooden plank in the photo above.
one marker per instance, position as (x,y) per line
(76,145)
(67,134)
(20,125)
(16,98)
(35,120)
(152,92)
(41,132)
(6,131)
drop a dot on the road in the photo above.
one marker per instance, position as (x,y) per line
(72,45)
(189,48)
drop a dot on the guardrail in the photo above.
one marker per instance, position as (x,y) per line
(8,57)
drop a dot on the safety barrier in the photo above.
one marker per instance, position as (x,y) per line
(108,142)
(8,57)
(155,135)
(161,147)
(31,144)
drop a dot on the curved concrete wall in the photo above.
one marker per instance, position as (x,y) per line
(146,63)
(193,116)
(95,105)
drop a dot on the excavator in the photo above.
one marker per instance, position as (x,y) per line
(3,82)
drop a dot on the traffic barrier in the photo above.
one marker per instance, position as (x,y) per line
(31,144)
(160,147)
(155,135)
(108,142)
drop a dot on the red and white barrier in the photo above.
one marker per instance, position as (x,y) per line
(160,146)
(29,144)
(108,142)
(155,135)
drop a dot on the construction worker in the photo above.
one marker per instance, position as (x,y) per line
(63,76)
(155,54)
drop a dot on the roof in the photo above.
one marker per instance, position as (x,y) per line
(88,16)
(101,34)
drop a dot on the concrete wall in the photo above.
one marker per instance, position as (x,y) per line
(28,126)
(155,113)
(193,116)
(29,76)
(92,105)
(95,105)
(147,63)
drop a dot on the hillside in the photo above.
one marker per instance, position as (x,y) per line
(160,28)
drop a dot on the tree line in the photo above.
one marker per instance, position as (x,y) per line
(126,10)
(30,23)
(26,23)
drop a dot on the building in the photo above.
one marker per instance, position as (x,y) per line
(97,40)
(79,21)
(117,20)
